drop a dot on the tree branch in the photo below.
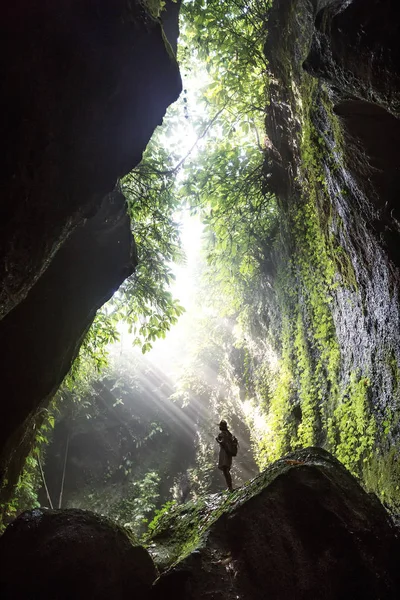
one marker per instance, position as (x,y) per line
(44,481)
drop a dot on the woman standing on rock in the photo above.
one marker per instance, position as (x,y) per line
(228,445)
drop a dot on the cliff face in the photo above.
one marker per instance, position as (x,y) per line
(333,161)
(43,333)
(84,86)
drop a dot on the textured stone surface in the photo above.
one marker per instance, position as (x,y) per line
(355,47)
(355,50)
(330,63)
(43,333)
(68,554)
(84,86)
(303,529)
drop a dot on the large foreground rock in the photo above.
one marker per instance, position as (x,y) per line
(304,529)
(71,554)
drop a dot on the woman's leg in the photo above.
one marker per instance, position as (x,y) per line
(228,478)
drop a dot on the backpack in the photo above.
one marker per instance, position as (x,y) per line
(232,445)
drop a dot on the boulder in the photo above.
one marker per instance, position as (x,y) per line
(64,554)
(304,528)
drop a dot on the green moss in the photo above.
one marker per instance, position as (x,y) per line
(307,389)
(310,360)
(344,266)
(352,430)
(279,432)
(381,475)
(335,124)
(179,529)
(309,375)
(394,371)
(154,7)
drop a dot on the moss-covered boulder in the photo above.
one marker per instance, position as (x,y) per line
(304,528)
(64,554)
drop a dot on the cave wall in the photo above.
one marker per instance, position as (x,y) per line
(44,332)
(333,162)
(84,86)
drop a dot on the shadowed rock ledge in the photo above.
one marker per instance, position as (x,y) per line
(84,86)
(44,332)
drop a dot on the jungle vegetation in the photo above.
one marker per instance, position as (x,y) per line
(267,332)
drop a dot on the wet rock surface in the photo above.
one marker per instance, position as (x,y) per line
(355,50)
(84,86)
(68,554)
(334,97)
(355,47)
(303,529)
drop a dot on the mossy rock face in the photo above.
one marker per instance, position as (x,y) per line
(64,554)
(304,528)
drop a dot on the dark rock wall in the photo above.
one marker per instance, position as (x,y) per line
(355,48)
(84,84)
(334,163)
(43,333)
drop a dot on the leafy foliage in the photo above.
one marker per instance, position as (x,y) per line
(155,7)
(224,181)
(229,40)
(144,300)
(30,481)
(136,508)
(266,351)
